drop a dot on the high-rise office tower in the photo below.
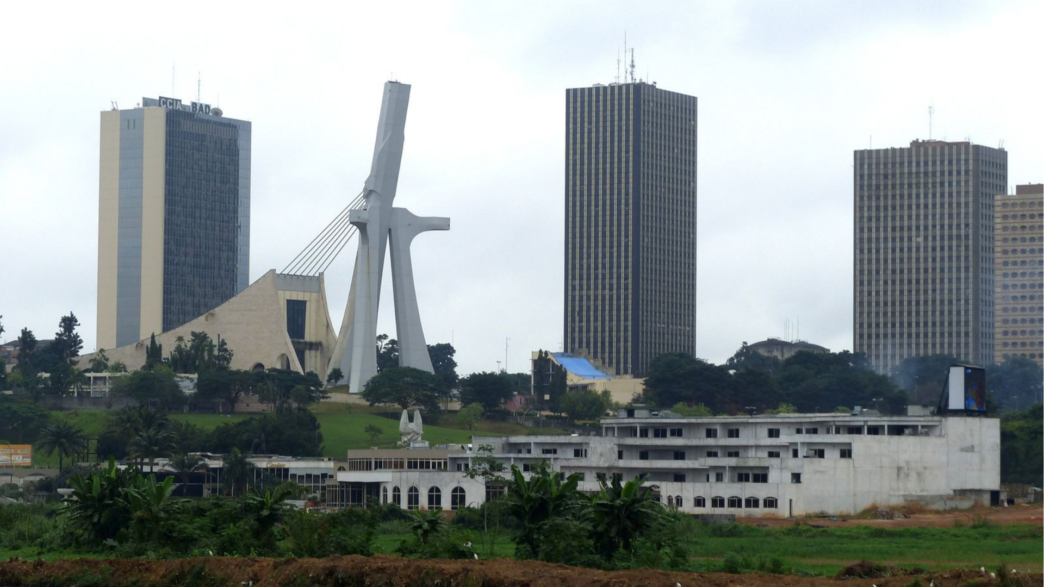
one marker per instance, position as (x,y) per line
(1019,253)
(923,280)
(630,224)
(173,216)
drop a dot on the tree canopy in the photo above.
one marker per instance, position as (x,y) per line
(486,388)
(404,386)
(809,381)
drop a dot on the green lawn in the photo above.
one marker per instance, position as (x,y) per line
(342,425)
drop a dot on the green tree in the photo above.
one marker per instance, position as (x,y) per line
(584,404)
(156,385)
(285,388)
(679,377)
(923,377)
(21,421)
(747,358)
(268,509)
(99,362)
(490,470)
(153,353)
(426,524)
(404,386)
(542,497)
(699,410)
(469,415)
(1022,439)
(237,472)
(621,513)
(227,385)
(486,388)
(67,343)
(374,432)
(813,382)
(335,376)
(387,353)
(96,509)
(185,465)
(443,363)
(1016,383)
(62,437)
(150,444)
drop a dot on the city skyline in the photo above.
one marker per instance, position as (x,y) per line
(786,94)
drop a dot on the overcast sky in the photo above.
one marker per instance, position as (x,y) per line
(787,90)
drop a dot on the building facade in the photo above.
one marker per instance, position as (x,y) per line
(173,216)
(924,250)
(1019,254)
(786,465)
(630,225)
(281,321)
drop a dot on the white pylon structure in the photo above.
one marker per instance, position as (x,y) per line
(355,353)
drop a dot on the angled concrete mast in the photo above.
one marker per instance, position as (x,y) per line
(355,353)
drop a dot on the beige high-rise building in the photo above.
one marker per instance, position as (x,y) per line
(1019,254)
(924,251)
(173,217)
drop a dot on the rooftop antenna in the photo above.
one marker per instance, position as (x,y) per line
(617,65)
(632,65)
(199,86)
(625,56)
(931,111)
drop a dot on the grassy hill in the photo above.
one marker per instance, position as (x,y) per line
(342,426)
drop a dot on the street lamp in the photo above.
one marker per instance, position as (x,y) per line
(498,366)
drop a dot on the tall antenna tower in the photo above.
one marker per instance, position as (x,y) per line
(632,65)
(199,86)
(625,56)
(617,65)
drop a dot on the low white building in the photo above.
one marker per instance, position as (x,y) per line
(787,465)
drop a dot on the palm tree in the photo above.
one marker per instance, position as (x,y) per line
(185,464)
(238,471)
(621,513)
(151,443)
(61,436)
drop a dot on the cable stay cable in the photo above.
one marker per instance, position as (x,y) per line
(332,226)
(325,267)
(316,250)
(322,252)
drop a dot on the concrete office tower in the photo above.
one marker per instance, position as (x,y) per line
(173,217)
(1019,253)
(630,225)
(923,279)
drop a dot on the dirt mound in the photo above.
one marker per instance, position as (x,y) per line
(865,569)
(403,572)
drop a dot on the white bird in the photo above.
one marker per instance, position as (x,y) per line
(982,570)
(992,576)
(476,556)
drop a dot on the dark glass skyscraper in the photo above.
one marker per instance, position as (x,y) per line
(630,225)
(174,217)
(924,251)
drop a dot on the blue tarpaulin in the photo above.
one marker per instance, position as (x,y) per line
(579,367)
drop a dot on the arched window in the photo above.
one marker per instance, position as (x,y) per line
(771,503)
(735,502)
(434,498)
(751,502)
(717,501)
(700,502)
(384,495)
(413,499)
(678,501)
(458,498)
(396,496)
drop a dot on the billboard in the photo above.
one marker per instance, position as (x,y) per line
(16,455)
(966,387)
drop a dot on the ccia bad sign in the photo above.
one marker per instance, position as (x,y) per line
(175,104)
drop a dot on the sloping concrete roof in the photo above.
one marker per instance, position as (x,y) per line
(579,366)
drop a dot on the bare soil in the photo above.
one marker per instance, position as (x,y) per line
(389,570)
(914,517)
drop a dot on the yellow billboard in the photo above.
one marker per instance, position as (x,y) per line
(16,455)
